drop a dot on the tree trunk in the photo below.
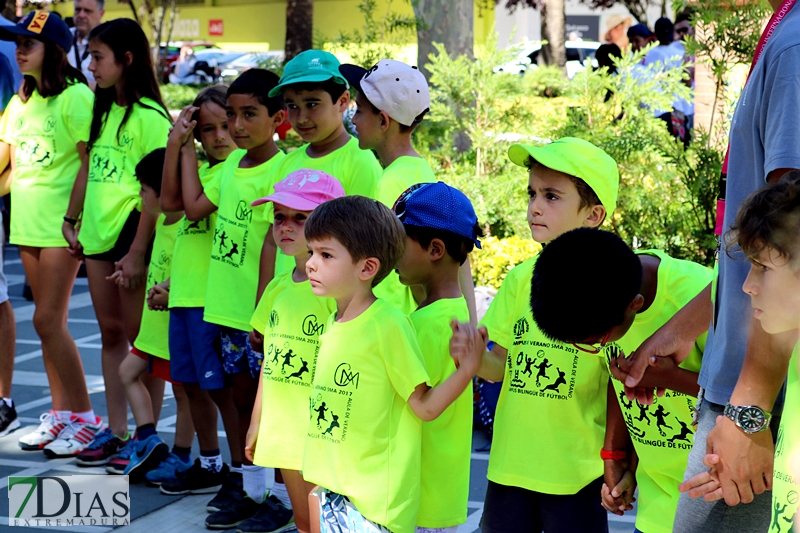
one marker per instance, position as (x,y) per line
(299,26)
(554,21)
(449,22)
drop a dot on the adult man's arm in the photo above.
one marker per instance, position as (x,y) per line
(744,462)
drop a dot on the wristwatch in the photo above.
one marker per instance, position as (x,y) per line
(750,418)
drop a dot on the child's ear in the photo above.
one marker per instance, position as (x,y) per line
(343,101)
(369,269)
(637,303)
(436,249)
(128,58)
(278,118)
(597,213)
(385,121)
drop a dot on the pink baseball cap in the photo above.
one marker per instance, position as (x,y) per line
(304,190)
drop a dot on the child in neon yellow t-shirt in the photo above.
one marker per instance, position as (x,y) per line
(441,230)
(571,184)
(392,99)
(291,318)
(233,289)
(765,231)
(316,97)
(44,129)
(144,370)
(635,294)
(129,120)
(194,358)
(371,388)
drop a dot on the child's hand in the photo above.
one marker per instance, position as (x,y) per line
(116,278)
(158,298)
(182,130)
(657,375)
(250,442)
(705,484)
(618,499)
(467,346)
(70,234)
(257,341)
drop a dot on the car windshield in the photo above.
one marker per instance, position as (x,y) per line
(227,57)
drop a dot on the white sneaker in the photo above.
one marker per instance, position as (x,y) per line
(75,438)
(43,435)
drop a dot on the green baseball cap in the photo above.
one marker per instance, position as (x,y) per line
(309,67)
(577,158)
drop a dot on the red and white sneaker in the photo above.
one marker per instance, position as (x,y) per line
(43,435)
(75,438)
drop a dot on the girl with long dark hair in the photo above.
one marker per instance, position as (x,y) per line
(129,121)
(44,133)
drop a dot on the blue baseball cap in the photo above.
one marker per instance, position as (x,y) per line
(438,206)
(42,25)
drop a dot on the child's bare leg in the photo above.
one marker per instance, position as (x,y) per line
(313,508)
(204,416)
(223,398)
(184,427)
(155,386)
(131,371)
(298,493)
(108,309)
(245,388)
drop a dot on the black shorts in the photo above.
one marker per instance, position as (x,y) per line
(517,510)
(124,242)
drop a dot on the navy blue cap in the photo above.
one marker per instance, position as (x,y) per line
(42,25)
(438,206)
(639,30)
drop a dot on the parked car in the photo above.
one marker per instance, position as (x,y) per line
(253,60)
(172,51)
(580,55)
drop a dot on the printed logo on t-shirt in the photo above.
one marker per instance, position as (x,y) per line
(106,164)
(290,359)
(330,407)
(197,227)
(230,242)
(159,266)
(541,369)
(312,326)
(664,424)
(35,152)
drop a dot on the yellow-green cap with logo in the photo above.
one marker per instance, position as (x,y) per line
(577,158)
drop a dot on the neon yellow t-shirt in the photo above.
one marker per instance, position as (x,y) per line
(363,439)
(45,132)
(785,482)
(358,171)
(661,433)
(404,172)
(153,335)
(112,191)
(446,441)
(237,241)
(551,414)
(296,320)
(193,252)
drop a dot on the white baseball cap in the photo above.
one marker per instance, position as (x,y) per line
(392,86)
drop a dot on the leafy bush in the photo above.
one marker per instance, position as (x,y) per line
(497,257)
(546,81)
(179,96)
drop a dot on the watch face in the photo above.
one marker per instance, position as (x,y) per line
(752,419)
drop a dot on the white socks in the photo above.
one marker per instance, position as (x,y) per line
(254,481)
(279,491)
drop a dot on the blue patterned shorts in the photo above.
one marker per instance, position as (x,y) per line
(339,515)
(238,356)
